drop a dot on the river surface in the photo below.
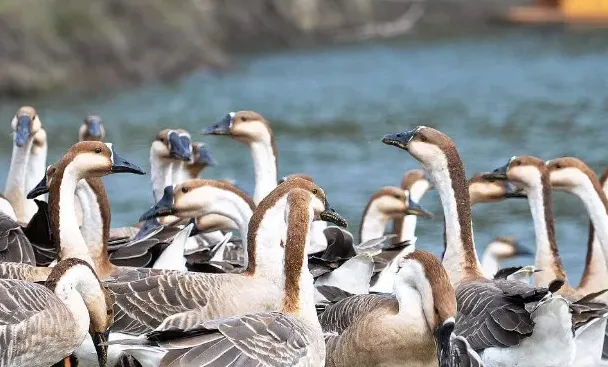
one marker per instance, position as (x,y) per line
(512,92)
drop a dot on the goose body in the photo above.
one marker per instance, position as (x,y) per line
(40,325)
(494,317)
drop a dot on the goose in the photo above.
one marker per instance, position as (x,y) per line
(29,143)
(500,249)
(505,322)
(574,176)
(290,336)
(201,159)
(91,129)
(532,175)
(254,130)
(184,299)
(168,151)
(520,273)
(415,182)
(14,244)
(411,327)
(41,325)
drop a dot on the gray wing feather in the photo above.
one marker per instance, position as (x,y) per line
(493,313)
(462,355)
(340,315)
(14,245)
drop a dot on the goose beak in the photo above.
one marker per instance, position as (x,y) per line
(414,208)
(512,192)
(400,140)
(523,251)
(180,147)
(121,165)
(499,173)
(221,127)
(332,216)
(442,341)
(23,130)
(100,340)
(164,206)
(94,128)
(205,157)
(40,189)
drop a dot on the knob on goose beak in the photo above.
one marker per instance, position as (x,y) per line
(180,147)
(400,140)
(414,208)
(499,173)
(100,341)
(164,206)
(205,157)
(442,341)
(23,130)
(121,165)
(40,189)
(221,127)
(332,216)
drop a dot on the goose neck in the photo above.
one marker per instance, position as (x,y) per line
(230,205)
(460,258)
(265,169)
(16,179)
(406,227)
(161,174)
(489,263)
(264,249)
(179,172)
(373,223)
(595,202)
(547,254)
(414,294)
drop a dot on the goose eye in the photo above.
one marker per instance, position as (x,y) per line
(243,118)
(185,189)
(558,166)
(423,138)
(97,150)
(396,196)
(315,191)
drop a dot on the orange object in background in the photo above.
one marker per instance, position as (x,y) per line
(568,12)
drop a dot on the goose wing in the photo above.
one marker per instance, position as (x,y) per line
(20,300)
(261,339)
(340,315)
(14,245)
(462,355)
(493,313)
(142,305)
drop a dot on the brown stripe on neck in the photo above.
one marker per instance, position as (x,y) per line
(102,262)
(463,208)
(54,189)
(558,267)
(385,191)
(195,183)
(587,271)
(298,223)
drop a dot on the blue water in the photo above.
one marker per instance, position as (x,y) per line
(500,94)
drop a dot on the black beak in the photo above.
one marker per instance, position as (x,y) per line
(180,147)
(94,128)
(121,165)
(163,208)
(400,140)
(99,341)
(414,208)
(23,130)
(205,157)
(221,127)
(499,173)
(40,189)
(442,341)
(330,215)
(512,192)
(523,251)
(149,226)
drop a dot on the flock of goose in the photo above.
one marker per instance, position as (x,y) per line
(210,276)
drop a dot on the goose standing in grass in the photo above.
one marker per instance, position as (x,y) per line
(28,162)
(411,327)
(290,336)
(589,320)
(195,297)
(506,323)
(40,325)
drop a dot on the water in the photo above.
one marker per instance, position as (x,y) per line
(507,93)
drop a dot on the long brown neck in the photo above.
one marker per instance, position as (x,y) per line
(101,258)
(460,258)
(298,225)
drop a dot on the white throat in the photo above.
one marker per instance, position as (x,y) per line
(16,181)
(92,222)
(417,191)
(373,223)
(265,169)
(271,231)
(36,169)
(489,263)
(414,294)
(161,174)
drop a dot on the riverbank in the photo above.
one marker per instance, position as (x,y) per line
(58,45)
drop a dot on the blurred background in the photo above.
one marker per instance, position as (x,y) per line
(501,78)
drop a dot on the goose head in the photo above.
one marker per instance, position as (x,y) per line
(245,126)
(201,159)
(484,190)
(417,182)
(90,159)
(568,173)
(507,247)
(172,144)
(75,275)
(304,176)
(525,172)
(393,202)
(25,125)
(91,129)
(422,271)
